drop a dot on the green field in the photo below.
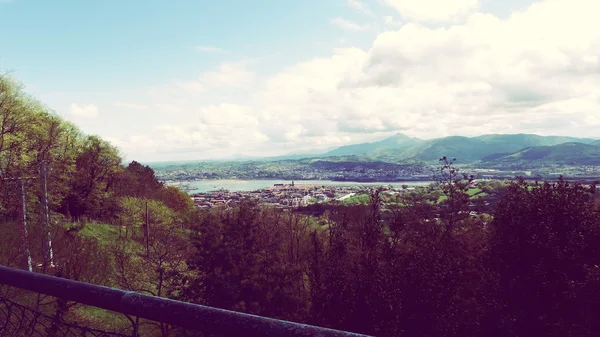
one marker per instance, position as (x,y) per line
(474,193)
(357,200)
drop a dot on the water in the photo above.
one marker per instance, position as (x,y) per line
(199,186)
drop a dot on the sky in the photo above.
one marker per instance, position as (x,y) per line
(197,79)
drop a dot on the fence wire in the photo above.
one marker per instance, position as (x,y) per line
(154,315)
(17,320)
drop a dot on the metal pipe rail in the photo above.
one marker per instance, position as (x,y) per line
(186,315)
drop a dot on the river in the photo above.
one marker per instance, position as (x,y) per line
(199,186)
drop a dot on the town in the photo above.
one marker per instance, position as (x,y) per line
(487,185)
(294,196)
(279,195)
(295,170)
(181,175)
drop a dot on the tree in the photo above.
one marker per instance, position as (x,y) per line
(132,216)
(15,115)
(333,299)
(181,203)
(139,181)
(96,165)
(545,252)
(159,271)
(430,281)
(247,259)
(454,187)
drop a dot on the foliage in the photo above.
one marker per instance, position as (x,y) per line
(455,189)
(545,250)
(391,265)
(91,198)
(250,259)
(562,154)
(138,181)
(417,268)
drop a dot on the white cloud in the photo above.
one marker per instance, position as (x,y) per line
(83,110)
(390,21)
(209,49)
(360,6)
(191,86)
(485,75)
(215,130)
(115,142)
(127,105)
(229,74)
(433,10)
(347,25)
(233,74)
(525,73)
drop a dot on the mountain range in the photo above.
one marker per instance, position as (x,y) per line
(493,148)
(561,154)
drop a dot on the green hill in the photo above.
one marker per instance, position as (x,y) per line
(401,148)
(463,148)
(516,142)
(563,154)
(398,142)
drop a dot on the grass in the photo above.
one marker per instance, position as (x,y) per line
(357,199)
(473,193)
(315,223)
(99,318)
(104,233)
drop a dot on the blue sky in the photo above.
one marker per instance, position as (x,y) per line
(206,79)
(62,45)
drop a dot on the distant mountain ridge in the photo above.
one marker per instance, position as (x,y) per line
(402,148)
(401,153)
(571,153)
(396,142)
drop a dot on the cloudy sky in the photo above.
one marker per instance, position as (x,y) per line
(194,79)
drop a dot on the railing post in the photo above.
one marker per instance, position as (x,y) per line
(24,227)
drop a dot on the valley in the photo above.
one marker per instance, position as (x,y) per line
(402,158)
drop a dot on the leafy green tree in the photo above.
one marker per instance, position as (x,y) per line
(96,165)
(15,117)
(139,181)
(181,203)
(545,252)
(132,216)
(176,199)
(245,263)
(159,271)
(334,299)
(454,187)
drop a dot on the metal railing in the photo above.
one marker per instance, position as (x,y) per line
(17,319)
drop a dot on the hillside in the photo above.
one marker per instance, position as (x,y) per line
(563,154)
(401,148)
(516,142)
(398,142)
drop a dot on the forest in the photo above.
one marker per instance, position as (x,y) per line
(416,268)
